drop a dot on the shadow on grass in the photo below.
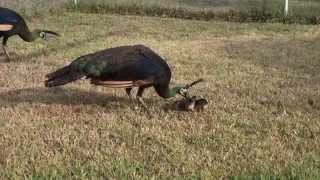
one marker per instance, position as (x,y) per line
(64,96)
(73,96)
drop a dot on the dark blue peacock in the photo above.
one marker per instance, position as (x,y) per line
(121,67)
(11,23)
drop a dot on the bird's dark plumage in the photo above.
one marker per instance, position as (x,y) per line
(11,23)
(119,67)
(8,16)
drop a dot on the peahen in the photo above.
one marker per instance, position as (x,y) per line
(121,67)
(11,23)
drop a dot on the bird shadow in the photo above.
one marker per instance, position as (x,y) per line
(64,96)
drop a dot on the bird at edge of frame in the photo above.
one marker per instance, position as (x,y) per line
(11,23)
(121,67)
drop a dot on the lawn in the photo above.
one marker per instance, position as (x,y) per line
(262,83)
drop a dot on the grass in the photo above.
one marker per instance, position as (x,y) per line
(301,11)
(262,82)
(31,8)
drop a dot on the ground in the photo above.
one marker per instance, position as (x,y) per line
(261,80)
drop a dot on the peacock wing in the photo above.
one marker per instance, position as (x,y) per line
(125,65)
(162,67)
(8,16)
(111,64)
(113,72)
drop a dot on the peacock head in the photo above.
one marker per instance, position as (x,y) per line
(46,35)
(181,90)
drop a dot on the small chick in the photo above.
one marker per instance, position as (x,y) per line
(186,104)
(201,104)
(191,104)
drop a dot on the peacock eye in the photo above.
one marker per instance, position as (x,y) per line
(42,35)
(183,91)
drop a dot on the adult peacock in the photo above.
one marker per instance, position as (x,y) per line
(11,23)
(121,67)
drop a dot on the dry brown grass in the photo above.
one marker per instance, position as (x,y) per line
(34,7)
(262,82)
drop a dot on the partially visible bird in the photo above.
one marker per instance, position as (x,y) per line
(191,104)
(201,104)
(11,23)
(120,67)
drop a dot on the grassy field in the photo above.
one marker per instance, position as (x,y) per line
(262,81)
(300,11)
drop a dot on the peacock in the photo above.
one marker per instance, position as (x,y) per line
(11,23)
(121,67)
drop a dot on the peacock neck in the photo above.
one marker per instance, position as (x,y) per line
(30,36)
(172,92)
(166,92)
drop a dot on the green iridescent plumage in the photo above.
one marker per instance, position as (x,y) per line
(124,66)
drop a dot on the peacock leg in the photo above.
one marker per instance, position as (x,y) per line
(139,96)
(4,47)
(128,91)
(6,52)
(131,92)
(141,102)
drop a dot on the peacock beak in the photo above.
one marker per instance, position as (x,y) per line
(183,92)
(193,83)
(47,35)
